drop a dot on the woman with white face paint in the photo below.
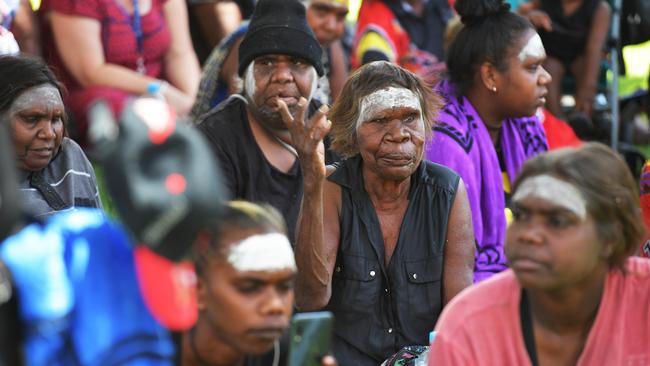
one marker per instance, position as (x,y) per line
(573,295)
(54,173)
(384,238)
(246,276)
(488,127)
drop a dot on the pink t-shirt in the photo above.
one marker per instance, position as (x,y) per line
(481,326)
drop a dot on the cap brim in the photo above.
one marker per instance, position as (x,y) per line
(168,289)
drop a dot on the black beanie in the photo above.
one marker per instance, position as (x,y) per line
(279,27)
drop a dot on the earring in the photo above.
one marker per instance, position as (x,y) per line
(494,88)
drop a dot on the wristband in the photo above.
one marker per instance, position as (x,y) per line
(157,87)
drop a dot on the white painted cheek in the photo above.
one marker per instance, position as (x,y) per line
(388,98)
(314,83)
(265,252)
(534,49)
(249,81)
(553,190)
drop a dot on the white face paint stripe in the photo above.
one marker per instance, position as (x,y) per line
(382,99)
(249,81)
(314,83)
(250,84)
(265,252)
(554,190)
(534,48)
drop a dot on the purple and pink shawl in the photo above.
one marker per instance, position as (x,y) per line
(462,142)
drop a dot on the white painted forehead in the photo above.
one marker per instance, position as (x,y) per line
(533,48)
(554,190)
(264,252)
(390,97)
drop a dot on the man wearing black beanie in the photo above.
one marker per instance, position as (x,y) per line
(279,59)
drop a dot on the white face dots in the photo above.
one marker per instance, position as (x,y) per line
(264,252)
(553,190)
(387,98)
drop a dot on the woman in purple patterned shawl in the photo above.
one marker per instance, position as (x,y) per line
(496,80)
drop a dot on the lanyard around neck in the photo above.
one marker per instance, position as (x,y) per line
(136,24)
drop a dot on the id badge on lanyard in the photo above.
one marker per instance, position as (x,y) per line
(136,24)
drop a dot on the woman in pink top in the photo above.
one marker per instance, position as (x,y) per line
(116,49)
(573,295)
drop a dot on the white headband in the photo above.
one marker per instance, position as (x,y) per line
(534,48)
(390,97)
(554,190)
(264,252)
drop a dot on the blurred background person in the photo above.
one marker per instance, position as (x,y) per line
(573,295)
(54,173)
(17,17)
(113,49)
(574,33)
(212,20)
(326,18)
(8,44)
(487,127)
(409,33)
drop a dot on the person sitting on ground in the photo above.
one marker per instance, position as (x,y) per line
(573,295)
(246,276)
(496,80)
(210,22)
(574,34)
(327,20)
(115,49)
(279,59)
(385,239)
(17,19)
(409,33)
(54,174)
(87,292)
(558,132)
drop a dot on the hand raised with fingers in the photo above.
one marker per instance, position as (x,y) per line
(307,138)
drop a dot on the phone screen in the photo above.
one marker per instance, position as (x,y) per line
(310,338)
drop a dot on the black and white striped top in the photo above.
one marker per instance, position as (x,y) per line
(70,175)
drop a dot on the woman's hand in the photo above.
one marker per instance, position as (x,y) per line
(540,20)
(329,361)
(585,101)
(181,102)
(307,138)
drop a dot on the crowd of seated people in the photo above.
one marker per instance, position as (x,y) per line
(402,182)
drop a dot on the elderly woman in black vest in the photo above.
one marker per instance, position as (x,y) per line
(384,239)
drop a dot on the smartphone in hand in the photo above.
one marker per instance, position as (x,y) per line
(309,338)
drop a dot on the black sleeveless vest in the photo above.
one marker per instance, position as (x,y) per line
(380,309)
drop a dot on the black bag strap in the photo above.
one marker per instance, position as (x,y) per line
(527,327)
(51,196)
